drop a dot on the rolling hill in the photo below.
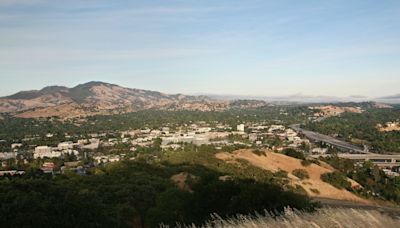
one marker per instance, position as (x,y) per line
(95,98)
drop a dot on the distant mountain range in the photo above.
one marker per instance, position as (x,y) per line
(300,98)
(99,98)
(395,99)
(96,98)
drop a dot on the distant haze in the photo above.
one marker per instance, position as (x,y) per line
(341,48)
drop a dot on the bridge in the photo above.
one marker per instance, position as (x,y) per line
(355,153)
(317,137)
(381,160)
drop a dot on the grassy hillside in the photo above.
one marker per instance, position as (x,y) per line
(298,176)
(323,218)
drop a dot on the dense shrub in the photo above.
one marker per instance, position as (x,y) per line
(297,189)
(314,190)
(293,153)
(337,179)
(259,152)
(306,163)
(281,174)
(301,174)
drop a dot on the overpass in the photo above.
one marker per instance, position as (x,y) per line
(317,137)
(355,153)
(381,160)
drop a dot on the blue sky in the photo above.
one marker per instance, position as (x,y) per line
(249,47)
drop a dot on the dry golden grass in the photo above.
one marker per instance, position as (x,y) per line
(62,111)
(275,162)
(327,217)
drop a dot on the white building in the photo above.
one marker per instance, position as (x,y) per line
(290,133)
(114,158)
(155,133)
(177,139)
(106,159)
(240,127)
(100,159)
(253,137)
(65,146)
(276,128)
(197,139)
(145,131)
(201,140)
(204,129)
(319,150)
(45,152)
(16,145)
(8,155)
(82,141)
(42,150)
(94,144)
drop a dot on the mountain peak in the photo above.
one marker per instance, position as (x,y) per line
(31,94)
(94,83)
(96,97)
(53,89)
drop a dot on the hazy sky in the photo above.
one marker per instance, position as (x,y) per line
(247,47)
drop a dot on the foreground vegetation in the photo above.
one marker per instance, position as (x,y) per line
(136,194)
(338,217)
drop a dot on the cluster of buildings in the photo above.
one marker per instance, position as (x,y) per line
(247,135)
(52,152)
(65,148)
(101,148)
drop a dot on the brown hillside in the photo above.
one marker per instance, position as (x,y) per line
(96,98)
(275,162)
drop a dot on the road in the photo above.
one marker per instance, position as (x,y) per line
(382,160)
(355,153)
(328,139)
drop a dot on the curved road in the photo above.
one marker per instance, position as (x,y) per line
(328,139)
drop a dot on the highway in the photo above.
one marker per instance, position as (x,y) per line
(317,137)
(355,153)
(382,160)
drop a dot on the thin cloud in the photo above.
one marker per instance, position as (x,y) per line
(16,56)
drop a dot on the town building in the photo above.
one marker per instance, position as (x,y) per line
(65,146)
(8,155)
(45,152)
(240,127)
